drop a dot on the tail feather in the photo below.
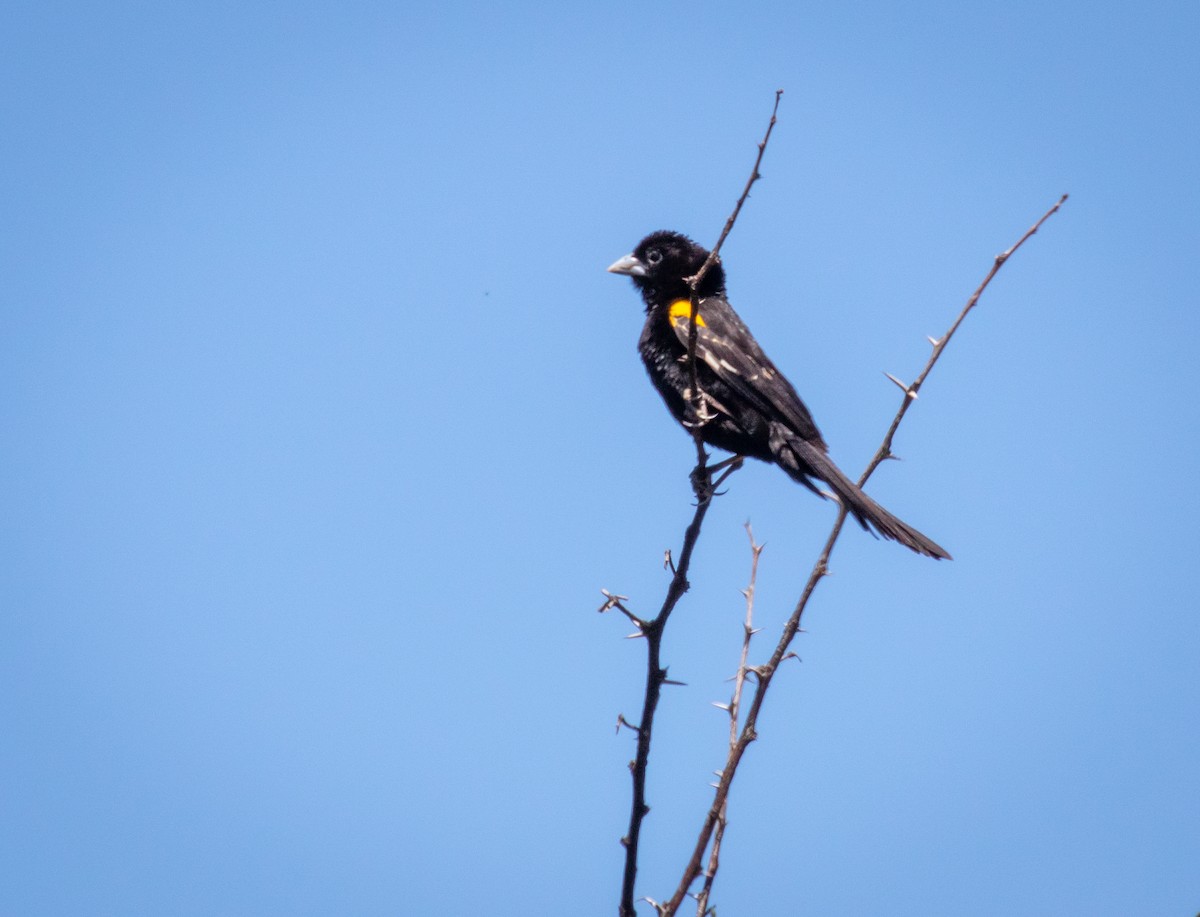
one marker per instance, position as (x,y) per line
(801,459)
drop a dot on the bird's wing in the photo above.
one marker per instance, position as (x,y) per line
(725,345)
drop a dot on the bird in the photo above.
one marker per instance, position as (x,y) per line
(746,405)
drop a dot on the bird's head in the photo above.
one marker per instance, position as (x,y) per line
(661,265)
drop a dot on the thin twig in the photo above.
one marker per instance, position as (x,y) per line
(714,255)
(910,394)
(733,708)
(705,489)
(766,672)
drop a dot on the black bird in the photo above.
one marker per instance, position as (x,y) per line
(750,408)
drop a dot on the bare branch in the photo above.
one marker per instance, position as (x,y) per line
(734,705)
(705,488)
(766,672)
(940,345)
(714,255)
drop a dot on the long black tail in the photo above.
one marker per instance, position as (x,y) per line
(801,459)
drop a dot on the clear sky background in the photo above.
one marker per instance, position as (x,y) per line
(323,427)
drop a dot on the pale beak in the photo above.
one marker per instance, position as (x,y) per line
(628,265)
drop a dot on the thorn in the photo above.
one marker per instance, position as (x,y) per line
(720,706)
(658,908)
(671,681)
(904,388)
(934,341)
(611,600)
(621,721)
(636,636)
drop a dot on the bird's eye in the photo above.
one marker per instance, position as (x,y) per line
(654,256)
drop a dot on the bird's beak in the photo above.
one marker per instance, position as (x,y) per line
(628,265)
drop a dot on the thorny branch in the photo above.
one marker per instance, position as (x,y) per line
(732,708)
(694,282)
(766,673)
(705,488)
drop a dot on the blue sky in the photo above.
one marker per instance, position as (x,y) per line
(323,427)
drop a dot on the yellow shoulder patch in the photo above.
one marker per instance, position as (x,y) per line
(682,309)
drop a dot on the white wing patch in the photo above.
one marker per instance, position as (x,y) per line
(719,364)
